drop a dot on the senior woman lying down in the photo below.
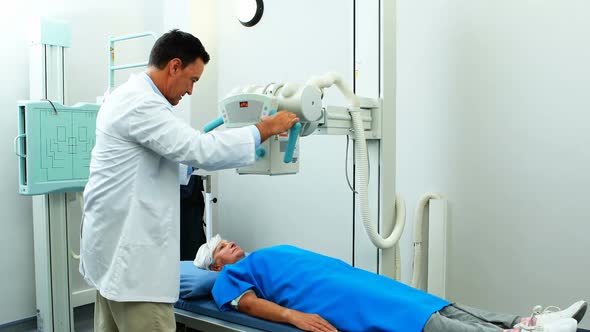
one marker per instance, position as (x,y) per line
(314,292)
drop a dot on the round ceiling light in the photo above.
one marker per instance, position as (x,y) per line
(250,12)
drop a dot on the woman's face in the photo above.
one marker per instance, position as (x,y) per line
(227,252)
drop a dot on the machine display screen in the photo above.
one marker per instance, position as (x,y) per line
(243,104)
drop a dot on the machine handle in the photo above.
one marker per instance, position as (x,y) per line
(293,136)
(213,124)
(17,149)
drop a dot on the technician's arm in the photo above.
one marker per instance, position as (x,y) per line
(276,124)
(156,128)
(254,306)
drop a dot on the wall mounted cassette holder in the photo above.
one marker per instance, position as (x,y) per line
(53,146)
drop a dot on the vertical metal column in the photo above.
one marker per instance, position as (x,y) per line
(54,312)
(388,93)
(47,81)
(367,32)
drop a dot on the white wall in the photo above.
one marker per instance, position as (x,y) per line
(493,113)
(86,78)
(17,289)
(203,18)
(178,19)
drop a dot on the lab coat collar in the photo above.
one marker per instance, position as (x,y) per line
(147,78)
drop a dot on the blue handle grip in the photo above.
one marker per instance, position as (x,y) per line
(293,135)
(213,124)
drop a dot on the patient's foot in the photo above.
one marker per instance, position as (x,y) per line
(552,319)
(575,311)
(556,325)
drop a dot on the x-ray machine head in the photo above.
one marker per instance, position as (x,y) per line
(280,154)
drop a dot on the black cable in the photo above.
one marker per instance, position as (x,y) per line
(45,71)
(54,109)
(346,167)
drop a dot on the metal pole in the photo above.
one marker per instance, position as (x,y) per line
(388,93)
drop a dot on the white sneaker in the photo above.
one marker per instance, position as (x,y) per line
(562,325)
(575,311)
(556,325)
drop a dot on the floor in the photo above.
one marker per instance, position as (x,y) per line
(83,322)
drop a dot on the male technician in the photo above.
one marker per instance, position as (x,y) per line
(130,234)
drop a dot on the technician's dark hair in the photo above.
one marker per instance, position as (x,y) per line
(177,44)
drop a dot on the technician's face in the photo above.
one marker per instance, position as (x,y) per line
(227,253)
(182,79)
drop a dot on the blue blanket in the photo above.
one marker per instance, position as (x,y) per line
(351,299)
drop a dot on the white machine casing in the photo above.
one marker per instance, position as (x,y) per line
(249,105)
(247,109)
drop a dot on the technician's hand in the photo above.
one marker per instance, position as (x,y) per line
(276,124)
(310,322)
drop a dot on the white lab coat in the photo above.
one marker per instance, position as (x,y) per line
(129,245)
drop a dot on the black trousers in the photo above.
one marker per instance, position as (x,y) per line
(192,207)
